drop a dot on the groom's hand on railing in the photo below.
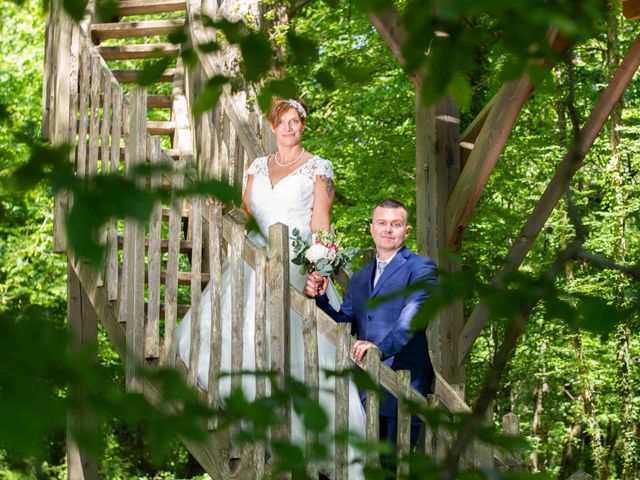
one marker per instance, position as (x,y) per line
(316,285)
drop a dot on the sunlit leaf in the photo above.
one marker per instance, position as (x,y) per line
(257,55)
(210,94)
(152,71)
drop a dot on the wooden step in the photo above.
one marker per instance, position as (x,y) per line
(185,245)
(155,127)
(131,76)
(143,7)
(184,278)
(153,101)
(148,28)
(159,101)
(131,52)
(172,153)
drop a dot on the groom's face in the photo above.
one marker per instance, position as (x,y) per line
(389,229)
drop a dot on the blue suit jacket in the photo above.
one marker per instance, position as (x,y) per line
(388,324)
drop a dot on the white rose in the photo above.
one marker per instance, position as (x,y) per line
(331,254)
(316,252)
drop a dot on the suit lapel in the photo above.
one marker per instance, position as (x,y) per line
(397,262)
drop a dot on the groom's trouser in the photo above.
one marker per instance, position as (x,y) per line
(389,429)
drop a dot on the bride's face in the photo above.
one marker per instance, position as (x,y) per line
(289,129)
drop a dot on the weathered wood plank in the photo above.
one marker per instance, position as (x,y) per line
(59,103)
(215,292)
(554,191)
(105,126)
(103,31)
(94,118)
(83,333)
(196,288)
(133,256)
(262,358)
(139,51)
(152,329)
(404,424)
(236,268)
(372,428)
(343,345)
(279,305)
(171,289)
(83,115)
(144,7)
(114,169)
(184,245)
(311,371)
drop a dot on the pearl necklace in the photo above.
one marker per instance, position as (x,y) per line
(276,157)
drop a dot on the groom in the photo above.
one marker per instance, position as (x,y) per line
(387,325)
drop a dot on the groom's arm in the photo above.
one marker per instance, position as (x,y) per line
(401,333)
(346,309)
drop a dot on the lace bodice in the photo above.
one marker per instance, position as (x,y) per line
(291,199)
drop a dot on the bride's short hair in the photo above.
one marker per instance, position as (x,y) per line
(282,105)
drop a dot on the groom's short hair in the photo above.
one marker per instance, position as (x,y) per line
(390,203)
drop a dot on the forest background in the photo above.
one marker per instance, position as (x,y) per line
(576,391)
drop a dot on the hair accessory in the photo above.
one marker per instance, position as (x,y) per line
(298,106)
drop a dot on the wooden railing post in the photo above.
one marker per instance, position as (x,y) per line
(343,344)
(171,286)
(372,367)
(196,288)
(311,369)
(279,308)
(236,267)
(114,167)
(133,254)
(215,293)
(262,359)
(404,423)
(152,330)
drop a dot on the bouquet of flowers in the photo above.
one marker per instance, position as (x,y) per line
(321,253)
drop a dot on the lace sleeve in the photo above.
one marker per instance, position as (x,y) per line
(257,166)
(323,168)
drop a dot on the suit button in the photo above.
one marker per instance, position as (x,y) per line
(369,317)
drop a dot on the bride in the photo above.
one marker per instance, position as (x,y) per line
(295,188)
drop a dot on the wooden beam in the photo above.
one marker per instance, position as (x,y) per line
(483,159)
(83,332)
(554,191)
(631,9)
(389,25)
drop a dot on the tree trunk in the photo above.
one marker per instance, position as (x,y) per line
(571,450)
(538,463)
(589,407)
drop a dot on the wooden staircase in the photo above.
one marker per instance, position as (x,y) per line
(154,272)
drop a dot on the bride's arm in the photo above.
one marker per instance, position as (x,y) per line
(323,194)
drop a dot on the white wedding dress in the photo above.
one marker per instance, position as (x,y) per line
(289,202)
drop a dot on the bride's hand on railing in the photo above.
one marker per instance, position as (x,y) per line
(316,285)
